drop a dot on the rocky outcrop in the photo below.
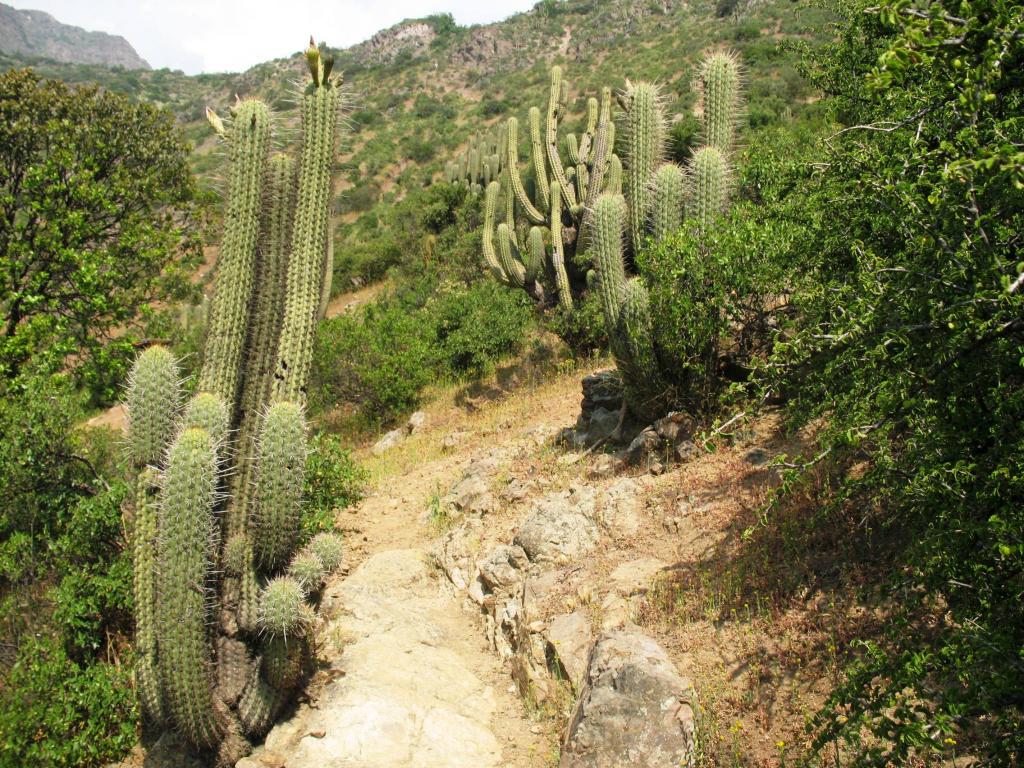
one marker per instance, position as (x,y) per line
(38,34)
(410,38)
(634,710)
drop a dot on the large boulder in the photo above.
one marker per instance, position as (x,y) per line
(560,529)
(634,710)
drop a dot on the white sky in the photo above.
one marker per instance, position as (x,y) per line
(233,35)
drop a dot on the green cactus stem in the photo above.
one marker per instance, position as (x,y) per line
(320,109)
(283,611)
(667,192)
(185,553)
(144,570)
(512,165)
(207,411)
(709,179)
(248,145)
(308,569)
(720,85)
(152,402)
(280,470)
(645,138)
(329,548)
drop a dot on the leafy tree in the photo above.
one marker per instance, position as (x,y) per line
(909,345)
(95,222)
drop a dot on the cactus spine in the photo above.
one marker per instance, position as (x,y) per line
(214,680)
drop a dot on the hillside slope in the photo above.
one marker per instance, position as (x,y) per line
(38,34)
(422,88)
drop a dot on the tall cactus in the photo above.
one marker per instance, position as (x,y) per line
(559,200)
(321,108)
(248,145)
(196,674)
(186,545)
(644,129)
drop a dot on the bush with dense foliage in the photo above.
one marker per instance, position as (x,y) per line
(381,357)
(907,346)
(95,222)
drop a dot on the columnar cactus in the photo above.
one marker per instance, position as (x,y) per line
(480,164)
(558,201)
(220,626)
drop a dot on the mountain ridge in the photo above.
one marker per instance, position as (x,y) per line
(40,35)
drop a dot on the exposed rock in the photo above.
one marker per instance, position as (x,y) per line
(452,439)
(570,637)
(685,451)
(634,710)
(416,423)
(35,33)
(560,529)
(406,698)
(503,568)
(472,494)
(642,447)
(620,508)
(605,465)
(410,38)
(517,489)
(388,441)
(601,425)
(675,426)
(634,578)
(602,389)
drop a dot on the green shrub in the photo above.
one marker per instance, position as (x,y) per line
(333,481)
(477,326)
(378,358)
(93,594)
(57,714)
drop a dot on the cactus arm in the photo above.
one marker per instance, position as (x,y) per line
(280,469)
(709,180)
(320,111)
(512,165)
(720,86)
(587,139)
(608,227)
(185,548)
(572,149)
(536,253)
(557,249)
(555,102)
(152,402)
(144,570)
(645,135)
(487,238)
(510,262)
(667,200)
(613,179)
(249,144)
(540,171)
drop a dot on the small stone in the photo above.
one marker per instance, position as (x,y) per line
(317,734)
(416,423)
(656,468)
(685,451)
(643,445)
(503,568)
(672,524)
(452,439)
(389,441)
(604,466)
(675,427)
(570,637)
(601,425)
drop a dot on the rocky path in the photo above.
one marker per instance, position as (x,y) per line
(407,679)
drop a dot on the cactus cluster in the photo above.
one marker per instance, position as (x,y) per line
(586,216)
(538,239)
(223,593)
(658,195)
(481,163)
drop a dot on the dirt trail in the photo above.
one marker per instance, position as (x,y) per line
(407,677)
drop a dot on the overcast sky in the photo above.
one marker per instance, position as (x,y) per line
(233,35)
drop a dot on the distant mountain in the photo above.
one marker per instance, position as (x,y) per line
(39,35)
